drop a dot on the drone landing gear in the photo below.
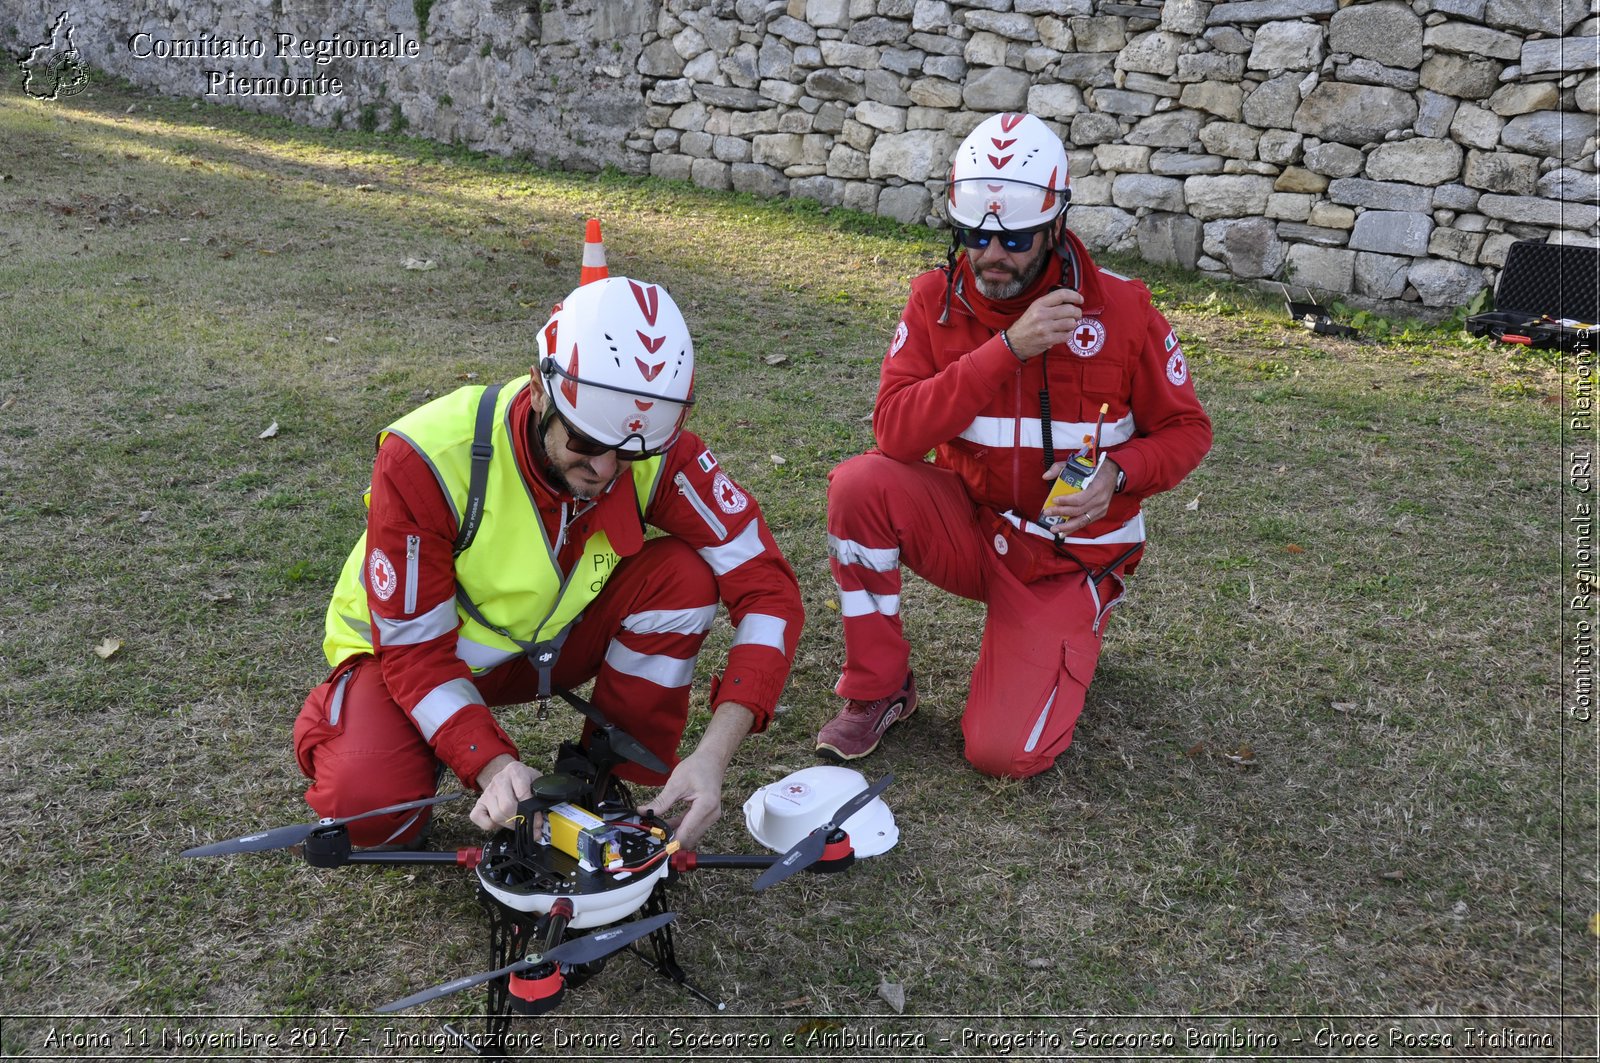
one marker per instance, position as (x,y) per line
(663,957)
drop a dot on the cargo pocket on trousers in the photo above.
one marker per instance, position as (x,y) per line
(321,718)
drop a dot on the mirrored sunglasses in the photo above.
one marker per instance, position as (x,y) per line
(1012,242)
(583,446)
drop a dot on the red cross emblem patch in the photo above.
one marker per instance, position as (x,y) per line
(1088,338)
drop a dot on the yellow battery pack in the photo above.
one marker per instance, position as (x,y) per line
(580,834)
(1073,478)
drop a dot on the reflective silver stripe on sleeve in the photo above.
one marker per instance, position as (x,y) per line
(730,555)
(481,658)
(671,621)
(360,627)
(443,702)
(663,671)
(877,558)
(864,603)
(1038,725)
(440,620)
(1068,435)
(761,629)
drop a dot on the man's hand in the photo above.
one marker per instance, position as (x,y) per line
(1083,508)
(697,780)
(505,781)
(1048,321)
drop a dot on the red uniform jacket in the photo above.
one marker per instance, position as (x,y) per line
(956,389)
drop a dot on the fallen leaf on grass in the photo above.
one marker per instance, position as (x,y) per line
(776,359)
(271,430)
(220,596)
(1195,750)
(779,459)
(1195,504)
(1594,924)
(423,264)
(366,188)
(11,400)
(1294,548)
(145,515)
(797,1002)
(1344,706)
(893,995)
(1244,756)
(107,647)
(1393,876)
(833,604)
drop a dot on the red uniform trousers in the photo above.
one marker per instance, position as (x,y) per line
(638,640)
(1041,640)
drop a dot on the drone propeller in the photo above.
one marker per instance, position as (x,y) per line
(573,953)
(283,837)
(621,741)
(808,850)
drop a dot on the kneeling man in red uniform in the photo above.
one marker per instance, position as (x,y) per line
(505,553)
(1006,363)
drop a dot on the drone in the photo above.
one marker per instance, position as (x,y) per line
(581,873)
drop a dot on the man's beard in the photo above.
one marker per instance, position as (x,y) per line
(1015,287)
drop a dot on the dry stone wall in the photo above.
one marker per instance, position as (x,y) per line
(1383,150)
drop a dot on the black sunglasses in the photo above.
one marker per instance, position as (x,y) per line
(1013,242)
(583,446)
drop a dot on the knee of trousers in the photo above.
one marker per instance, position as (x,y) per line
(1007,763)
(859,483)
(668,569)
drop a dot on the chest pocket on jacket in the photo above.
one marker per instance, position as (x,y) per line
(1102,379)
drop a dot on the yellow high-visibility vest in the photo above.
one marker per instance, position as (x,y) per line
(511,597)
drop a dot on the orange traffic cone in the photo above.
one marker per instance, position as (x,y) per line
(594,255)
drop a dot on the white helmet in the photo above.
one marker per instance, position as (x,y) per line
(1010,169)
(617,361)
(779,814)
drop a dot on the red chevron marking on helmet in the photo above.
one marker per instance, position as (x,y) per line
(569,385)
(649,300)
(1008,122)
(1049,192)
(1000,164)
(1002,145)
(642,404)
(649,371)
(651,343)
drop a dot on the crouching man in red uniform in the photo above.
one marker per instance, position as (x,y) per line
(505,553)
(1000,365)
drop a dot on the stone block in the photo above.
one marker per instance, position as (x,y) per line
(671,167)
(792,30)
(862,196)
(1444,283)
(1121,102)
(730,149)
(1131,191)
(709,173)
(847,163)
(1226,196)
(878,31)
(1536,210)
(1455,245)
(1287,46)
(1122,158)
(1565,56)
(1231,140)
(1007,24)
(1434,114)
(1169,239)
(1185,17)
(1550,134)
(1381,276)
(996,89)
(1300,179)
(880,117)
(1502,171)
(1508,101)
(1575,186)
(1369,72)
(840,54)
(1381,195)
(1334,160)
(1289,206)
(661,60)
(1392,232)
(905,203)
(1331,216)
(1174,129)
(1090,128)
(918,155)
(1057,34)
(1272,104)
(1496,246)
(1088,69)
(1104,228)
(1420,161)
(1209,66)
(1388,33)
(1321,269)
(1248,246)
(1218,98)
(986,49)
(1165,88)
(1312,234)
(1054,101)
(1250,12)
(828,14)
(1455,197)
(828,191)
(1554,17)
(935,92)
(1476,127)
(1101,34)
(1153,53)
(1184,164)
(1467,39)
(930,15)
(833,85)
(1091,191)
(883,87)
(1281,147)
(1354,114)
(1464,77)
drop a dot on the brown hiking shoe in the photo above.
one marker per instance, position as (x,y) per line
(860,725)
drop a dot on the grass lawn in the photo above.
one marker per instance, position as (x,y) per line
(1325,787)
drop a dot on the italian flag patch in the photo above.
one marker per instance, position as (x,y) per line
(707,461)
